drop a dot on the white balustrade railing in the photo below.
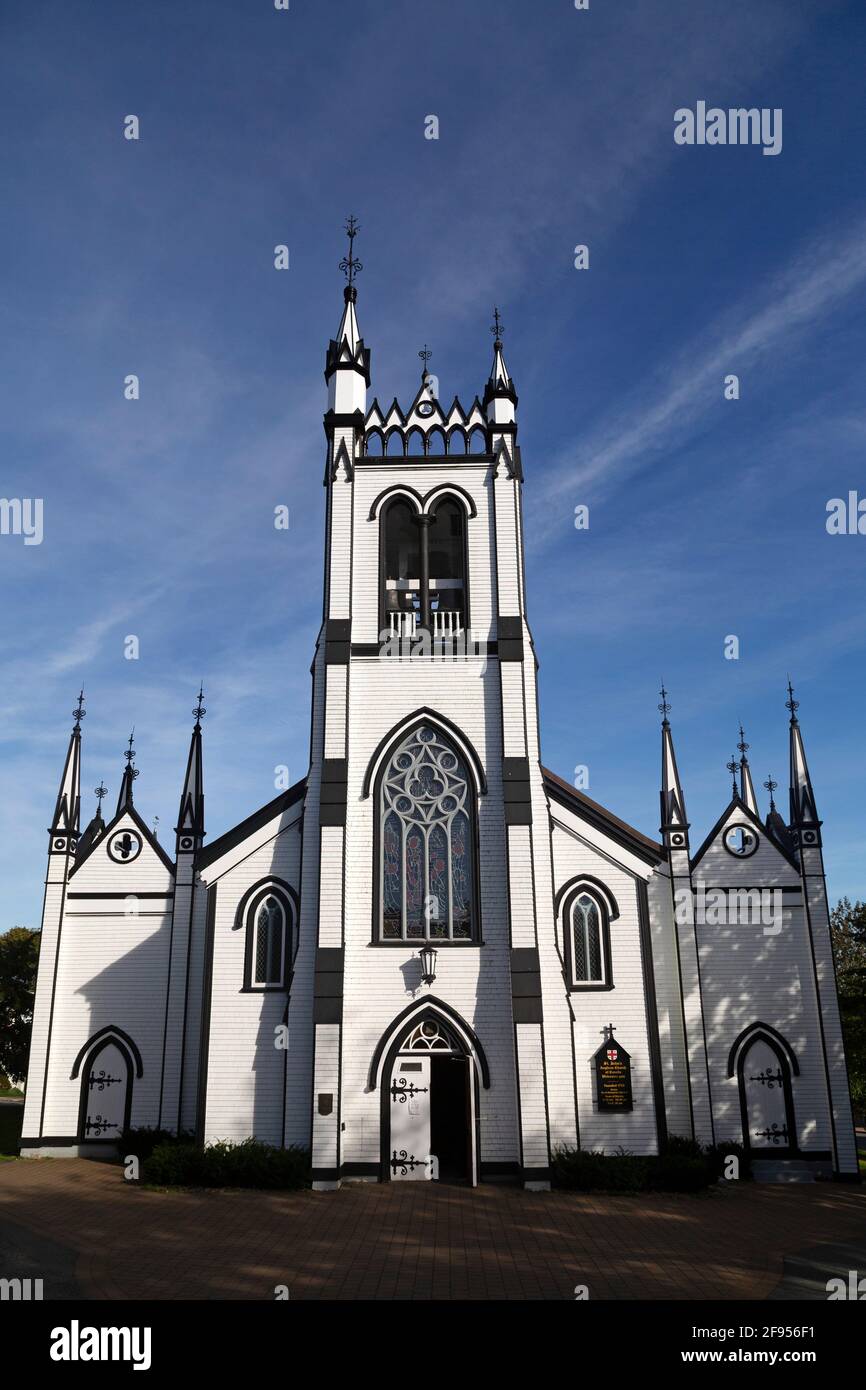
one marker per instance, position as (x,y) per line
(445,623)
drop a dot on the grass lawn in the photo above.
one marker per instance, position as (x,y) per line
(11,1117)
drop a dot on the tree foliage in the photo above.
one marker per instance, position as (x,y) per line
(848,930)
(19,955)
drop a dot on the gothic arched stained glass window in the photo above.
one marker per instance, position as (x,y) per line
(427,842)
(587,952)
(270,943)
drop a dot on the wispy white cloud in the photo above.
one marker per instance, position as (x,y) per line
(763,328)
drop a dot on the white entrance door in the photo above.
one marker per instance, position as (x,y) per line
(765,1098)
(409,1159)
(105,1102)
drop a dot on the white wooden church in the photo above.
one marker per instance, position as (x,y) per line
(432,957)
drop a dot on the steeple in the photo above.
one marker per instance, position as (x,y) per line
(96,827)
(65,821)
(674,825)
(500,397)
(124,800)
(776,826)
(347,363)
(804,824)
(747,789)
(190,818)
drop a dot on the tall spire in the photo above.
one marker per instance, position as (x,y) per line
(66,819)
(500,398)
(347,363)
(130,772)
(747,789)
(805,825)
(674,825)
(190,818)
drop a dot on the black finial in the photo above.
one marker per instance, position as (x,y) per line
(350,265)
(100,792)
(664,707)
(129,755)
(497,328)
(792,704)
(771,787)
(733,768)
(608,1031)
(199,709)
(425,354)
(79,712)
(743,745)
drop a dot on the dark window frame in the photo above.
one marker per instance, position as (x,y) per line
(575,986)
(446,942)
(247,915)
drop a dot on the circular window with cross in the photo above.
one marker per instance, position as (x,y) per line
(740,841)
(124,846)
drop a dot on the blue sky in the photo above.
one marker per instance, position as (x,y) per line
(261,127)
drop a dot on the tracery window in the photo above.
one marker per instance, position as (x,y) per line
(270,944)
(588,954)
(426,842)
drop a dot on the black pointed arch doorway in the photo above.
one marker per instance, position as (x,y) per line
(430,1058)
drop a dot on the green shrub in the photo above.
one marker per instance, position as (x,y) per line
(588,1170)
(683,1147)
(674,1172)
(143,1141)
(248,1164)
(683,1166)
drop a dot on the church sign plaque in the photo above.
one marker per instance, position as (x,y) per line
(613,1076)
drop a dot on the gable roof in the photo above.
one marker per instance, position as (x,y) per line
(239,832)
(598,816)
(738,805)
(147,835)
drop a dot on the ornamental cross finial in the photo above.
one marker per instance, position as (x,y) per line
(742,745)
(664,707)
(100,792)
(350,265)
(129,755)
(497,328)
(79,712)
(425,354)
(771,787)
(792,704)
(199,709)
(607,1030)
(733,768)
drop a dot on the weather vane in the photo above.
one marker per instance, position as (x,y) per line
(497,327)
(771,787)
(733,768)
(664,707)
(742,745)
(129,755)
(199,709)
(350,265)
(792,704)
(100,792)
(79,712)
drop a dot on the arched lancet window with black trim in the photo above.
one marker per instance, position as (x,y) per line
(447,547)
(587,941)
(269,928)
(426,865)
(401,561)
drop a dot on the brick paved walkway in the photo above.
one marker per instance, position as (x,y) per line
(419,1240)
